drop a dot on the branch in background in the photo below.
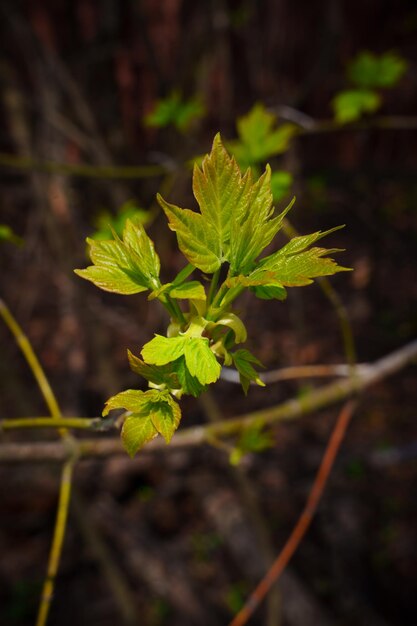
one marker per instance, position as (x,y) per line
(197,435)
(304,521)
(57,542)
(66,472)
(83,170)
(297,371)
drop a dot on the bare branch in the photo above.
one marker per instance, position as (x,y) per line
(197,435)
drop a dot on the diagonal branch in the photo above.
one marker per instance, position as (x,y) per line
(304,520)
(323,397)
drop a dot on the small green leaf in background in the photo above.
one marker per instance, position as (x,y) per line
(280,184)
(259,137)
(176,111)
(253,439)
(7,234)
(244,361)
(349,106)
(107,223)
(369,70)
(125,266)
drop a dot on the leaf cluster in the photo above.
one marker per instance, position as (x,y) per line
(224,239)
(368,74)
(176,111)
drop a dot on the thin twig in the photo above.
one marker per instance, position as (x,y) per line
(83,170)
(32,360)
(122,593)
(57,542)
(394,122)
(297,371)
(66,475)
(292,409)
(304,521)
(83,423)
(252,506)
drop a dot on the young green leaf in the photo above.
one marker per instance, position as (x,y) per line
(175,110)
(198,244)
(294,265)
(291,266)
(189,384)
(152,411)
(244,361)
(256,230)
(192,290)
(350,105)
(124,266)
(156,374)
(280,184)
(269,292)
(136,432)
(7,234)
(162,350)
(258,139)
(235,223)
(165,414)
(220,191)
(201,361)
(369,70)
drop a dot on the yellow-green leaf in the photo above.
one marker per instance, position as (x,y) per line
(165,415)
(197,243)
(124,266)
(161,350)
(192,290)
(136,432)
(201,361)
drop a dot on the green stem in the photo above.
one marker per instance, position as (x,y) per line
(217,299)
(66,476)
(57,543)
(178,314)
(231,295)
(213,287)
(83,423)
(32,360)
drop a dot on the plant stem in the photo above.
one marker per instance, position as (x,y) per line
(213,287)
(32,360)
(231,295)
(178,314)
(49,422)
(81,169)
(304,520)
(57,542)
(66,476)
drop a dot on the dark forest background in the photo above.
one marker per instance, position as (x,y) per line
(76,82)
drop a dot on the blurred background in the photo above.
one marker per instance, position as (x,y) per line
(103,103)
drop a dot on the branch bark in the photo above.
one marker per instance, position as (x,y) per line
(325,396)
